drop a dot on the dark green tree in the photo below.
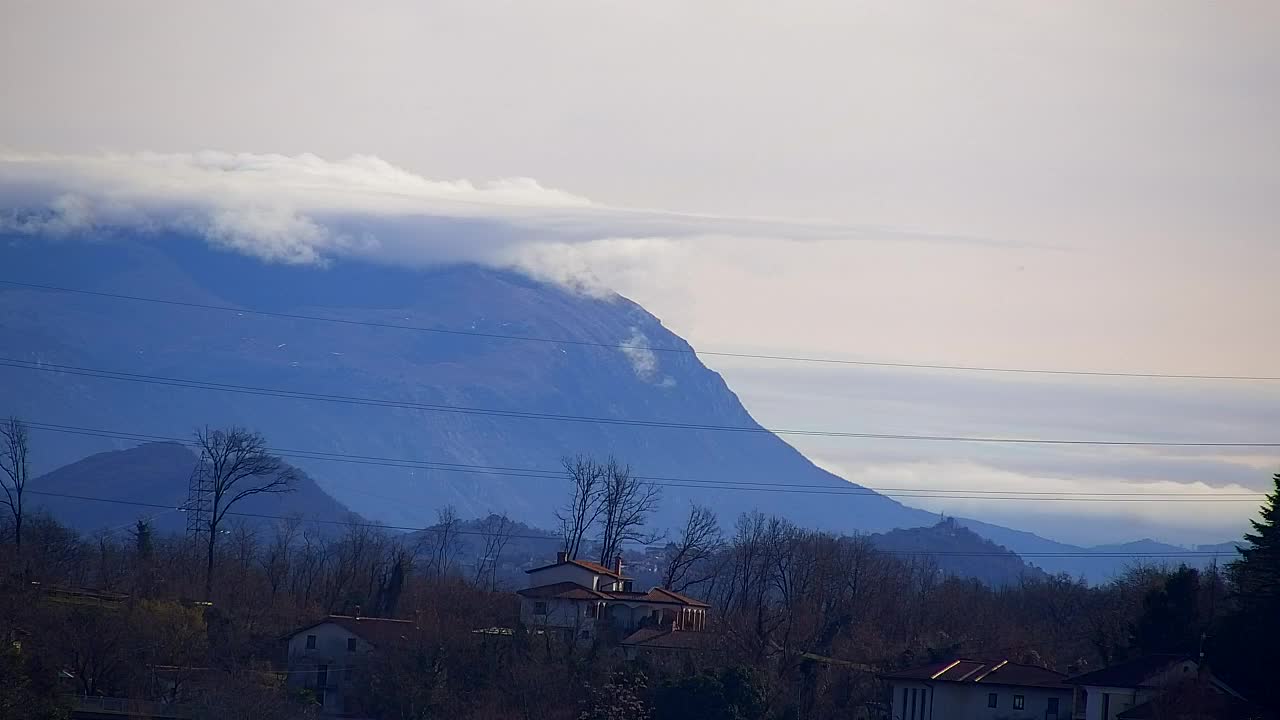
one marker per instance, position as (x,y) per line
(1244,652)
(1256,574)
(1171,620)
(623,698)
(27,687)
(731,694)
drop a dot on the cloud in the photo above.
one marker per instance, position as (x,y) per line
(643,360)
(304,209)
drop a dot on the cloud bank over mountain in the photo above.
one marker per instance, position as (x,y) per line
(304,209)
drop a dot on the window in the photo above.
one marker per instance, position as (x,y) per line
(539,608)
(311,642)
(1017,702)
(322,677)
(913,704)
(992,699)
(904,702)
(351,644)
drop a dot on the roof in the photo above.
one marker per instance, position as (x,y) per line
(657,595)
(985,673)
(585,565)
(566,590)
(569,590)
(378,631)
(1129,674)
(659,639)
(1189,700)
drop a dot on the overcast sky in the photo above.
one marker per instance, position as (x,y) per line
(1084,185)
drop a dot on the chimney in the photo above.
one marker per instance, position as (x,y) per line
(562,557)
(617,564)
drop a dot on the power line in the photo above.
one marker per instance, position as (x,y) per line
(540,474)
(530,415)
(553,538)
(629,346)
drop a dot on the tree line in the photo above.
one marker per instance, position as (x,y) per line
(803,619)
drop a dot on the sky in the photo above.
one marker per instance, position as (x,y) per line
(1083,185)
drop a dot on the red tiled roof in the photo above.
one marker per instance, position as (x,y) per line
(378,631)
(584,564)
(564,590)
(569,590)
(656,595)
(986,673)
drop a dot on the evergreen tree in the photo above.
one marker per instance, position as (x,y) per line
(1170,620)
(1245,649)
(1257,572)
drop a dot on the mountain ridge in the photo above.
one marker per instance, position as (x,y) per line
(405,366)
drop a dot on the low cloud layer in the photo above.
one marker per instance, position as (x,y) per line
(305,209)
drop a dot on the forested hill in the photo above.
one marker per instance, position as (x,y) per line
(958,551)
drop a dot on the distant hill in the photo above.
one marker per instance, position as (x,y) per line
(958,551)
(157,473)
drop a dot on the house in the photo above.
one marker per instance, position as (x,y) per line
(578,599)
(977,689)
(1138,688)
(324,656)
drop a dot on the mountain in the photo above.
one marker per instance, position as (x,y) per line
(497,407)
(157,474)
(958,551)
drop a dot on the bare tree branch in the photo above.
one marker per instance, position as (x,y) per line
(16,467)
(584,506)
(496,531)
(626,504)
(236,465)
(688,557)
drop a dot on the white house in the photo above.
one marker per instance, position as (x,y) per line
(578,598)
(1129,689)
(979,690)
(324,656)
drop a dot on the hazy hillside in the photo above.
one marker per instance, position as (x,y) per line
(157,473)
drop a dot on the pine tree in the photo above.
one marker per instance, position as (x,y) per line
(1257,572)
(1245,648)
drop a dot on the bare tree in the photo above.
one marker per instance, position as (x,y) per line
(625,506)
(580,513)
(445,541)
(235,464)
(688,557)
(496,531)
(13,460)
(275,562)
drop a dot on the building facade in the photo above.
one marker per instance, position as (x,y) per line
(325,656)
(579,599)
(979,690)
